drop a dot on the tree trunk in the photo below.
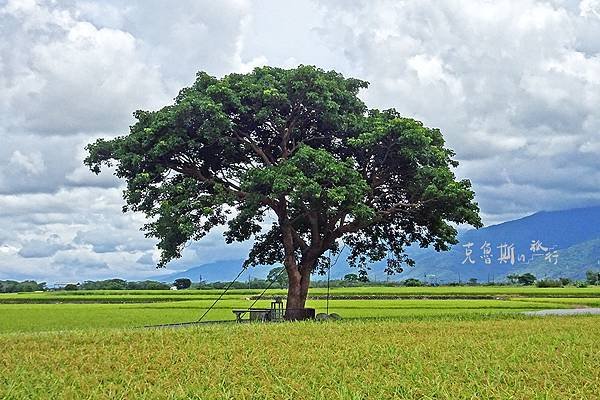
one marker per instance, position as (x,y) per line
(297,292)
(299,282)
(298,276)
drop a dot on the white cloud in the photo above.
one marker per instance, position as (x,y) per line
(514,87)
(146,259)
(590,8)
(109,239)
(431,71)
(71,72)
(64,75)
(31,164)
(43,248)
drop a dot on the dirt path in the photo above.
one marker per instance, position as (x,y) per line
(564,311)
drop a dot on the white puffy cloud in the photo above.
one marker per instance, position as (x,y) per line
(71,72)
(108,239)
(36,248)
(62,75)
(590,8)
(146,259)
(31,164)
(514,86)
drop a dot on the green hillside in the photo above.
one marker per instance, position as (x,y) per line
(574,261)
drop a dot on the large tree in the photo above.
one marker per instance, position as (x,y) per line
(295,161)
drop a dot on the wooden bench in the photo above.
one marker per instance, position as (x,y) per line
(256,314)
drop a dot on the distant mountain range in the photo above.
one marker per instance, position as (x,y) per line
(217,271)
(548,244)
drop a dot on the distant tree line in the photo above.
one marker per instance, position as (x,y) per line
(120,284)
(25,286)
(527,279)
(593,277)
(278,280)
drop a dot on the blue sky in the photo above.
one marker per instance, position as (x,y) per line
(513,85)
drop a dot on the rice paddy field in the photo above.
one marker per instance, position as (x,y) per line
(393,343)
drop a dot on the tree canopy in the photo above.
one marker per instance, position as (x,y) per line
(294,160)
(182,283)
(276,275)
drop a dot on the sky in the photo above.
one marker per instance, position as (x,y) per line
(513,85)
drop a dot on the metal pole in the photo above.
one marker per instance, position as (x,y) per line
(328,275)
(329,271)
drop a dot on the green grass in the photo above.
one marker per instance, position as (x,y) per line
(133,296)
(393,343)
(497,358)
(49,317)
(592,291)
(568,301)
(50,311)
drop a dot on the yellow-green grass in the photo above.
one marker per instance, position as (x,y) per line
(591,291)
(515,358)
(85,309)
(566,301)
(48,317)
(168,295)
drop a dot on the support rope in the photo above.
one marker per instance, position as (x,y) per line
(222,294)
(267,288)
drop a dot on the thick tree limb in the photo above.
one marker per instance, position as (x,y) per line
(242,137)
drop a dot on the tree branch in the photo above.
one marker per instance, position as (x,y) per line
(285,152)
(315,238)
(246,139)
(355,226)
(299,241)
(194,172)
